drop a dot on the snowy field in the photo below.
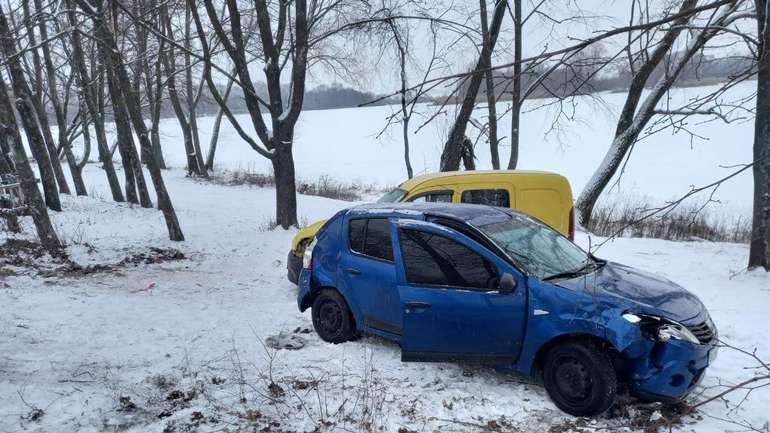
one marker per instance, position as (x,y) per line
(179,346)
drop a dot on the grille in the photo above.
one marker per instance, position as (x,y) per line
(704,332)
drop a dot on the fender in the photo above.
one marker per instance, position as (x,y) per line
(556,313)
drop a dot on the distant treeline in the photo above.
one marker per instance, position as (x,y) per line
(582,77)
(589,75)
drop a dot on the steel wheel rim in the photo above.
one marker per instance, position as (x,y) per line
(330,317)
(572,379)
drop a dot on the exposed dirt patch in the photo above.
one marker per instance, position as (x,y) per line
(23,256)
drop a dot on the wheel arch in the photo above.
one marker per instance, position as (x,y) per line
(542,351)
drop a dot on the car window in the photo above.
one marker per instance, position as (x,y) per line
(356,235)
(435,260)
(491,197)
(377,243)
(371,237)
(433,197)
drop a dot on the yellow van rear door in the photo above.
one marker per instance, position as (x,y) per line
(544,204)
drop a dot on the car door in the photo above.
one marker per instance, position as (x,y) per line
(452,307)
(370,275)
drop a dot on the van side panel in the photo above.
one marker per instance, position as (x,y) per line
(546,196)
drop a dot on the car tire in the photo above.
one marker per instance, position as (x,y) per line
(580,378)
(332,319)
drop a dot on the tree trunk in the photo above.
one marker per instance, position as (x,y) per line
(37,100)
(129,101)
(759,251)
(173,96)
(9,134)
(285,184)
(217,126)
(452,153)
(516,101)
(59,110)
(93,111)
(489,80)
(192,117)
(28,117)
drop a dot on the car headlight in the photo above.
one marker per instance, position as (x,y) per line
(660,328)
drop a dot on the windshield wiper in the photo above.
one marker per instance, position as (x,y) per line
(588,267)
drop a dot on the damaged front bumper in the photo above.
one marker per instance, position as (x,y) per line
(666,371)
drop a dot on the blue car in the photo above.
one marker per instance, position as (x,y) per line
(471,283)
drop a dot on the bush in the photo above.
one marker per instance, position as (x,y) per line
(632,218)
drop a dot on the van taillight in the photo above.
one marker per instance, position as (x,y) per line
(571,229)
(307,258)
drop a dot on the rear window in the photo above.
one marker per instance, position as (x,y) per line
(491,197)
(371,237)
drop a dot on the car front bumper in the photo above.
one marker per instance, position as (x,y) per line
(667,371)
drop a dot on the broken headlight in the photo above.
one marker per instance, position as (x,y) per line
(660,328)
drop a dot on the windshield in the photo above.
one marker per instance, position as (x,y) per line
(393,196)
(542,251)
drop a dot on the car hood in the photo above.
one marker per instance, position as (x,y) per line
(645,292)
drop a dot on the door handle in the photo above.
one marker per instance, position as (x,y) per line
(417,304)
(353,271)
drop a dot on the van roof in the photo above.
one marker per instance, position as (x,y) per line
(418,180)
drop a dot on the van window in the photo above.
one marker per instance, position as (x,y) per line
(371,237)
(434,260)
(491,197)
(433,197)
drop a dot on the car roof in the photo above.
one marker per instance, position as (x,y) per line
(416,181)
(473,214)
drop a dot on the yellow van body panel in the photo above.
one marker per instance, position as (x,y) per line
(544,195)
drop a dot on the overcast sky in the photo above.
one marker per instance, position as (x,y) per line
(560,25)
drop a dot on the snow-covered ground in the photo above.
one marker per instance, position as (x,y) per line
(179,346)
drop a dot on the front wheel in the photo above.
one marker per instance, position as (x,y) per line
(580,378)
(332,319)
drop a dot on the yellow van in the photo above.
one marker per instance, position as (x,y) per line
(546,196)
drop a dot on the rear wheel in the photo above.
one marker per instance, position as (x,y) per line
(332,319)
(580,378)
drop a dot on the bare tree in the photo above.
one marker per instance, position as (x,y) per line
(127,102)
(29,118)
(489,81)
(453,148)
(10,135)
(759,252)
(637,112)
(516,101)
(93,111)
(290,42)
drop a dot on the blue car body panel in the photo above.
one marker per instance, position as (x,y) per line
(507,330)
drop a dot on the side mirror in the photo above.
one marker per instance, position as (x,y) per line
(507,284)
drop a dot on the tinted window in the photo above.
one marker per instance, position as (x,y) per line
(377,243)
(491,197)
(434,197)
(356,235)
(434,260)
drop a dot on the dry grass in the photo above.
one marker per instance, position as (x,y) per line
(323,186)
(685,222)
